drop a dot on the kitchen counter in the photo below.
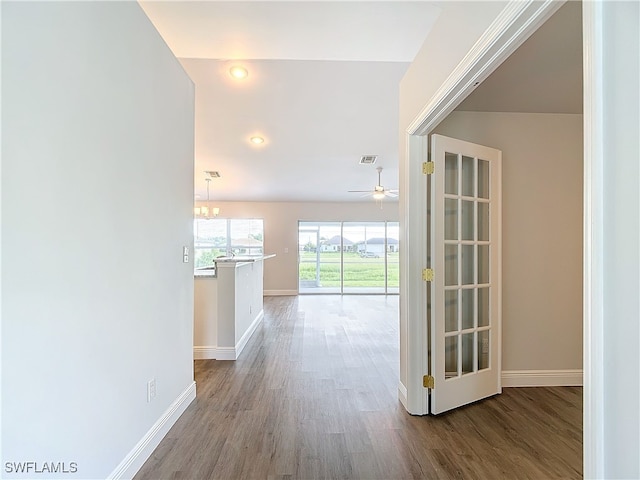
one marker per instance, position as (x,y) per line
(228,306)
(244,258)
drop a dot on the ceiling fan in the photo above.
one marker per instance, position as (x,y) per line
(378,192)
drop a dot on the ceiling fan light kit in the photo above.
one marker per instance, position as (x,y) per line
(379,192)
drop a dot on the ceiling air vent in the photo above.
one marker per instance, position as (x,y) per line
(213,174)
(368,159)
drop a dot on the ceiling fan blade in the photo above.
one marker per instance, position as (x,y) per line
(359,191)
(390,193)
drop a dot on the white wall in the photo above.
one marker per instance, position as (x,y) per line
(281,230)
(97,119)
(541,232)
(620,115)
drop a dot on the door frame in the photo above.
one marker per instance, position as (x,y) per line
(510,29)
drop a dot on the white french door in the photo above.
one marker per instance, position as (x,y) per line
(464,204)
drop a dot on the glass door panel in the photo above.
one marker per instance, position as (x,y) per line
(393,257)
(364,257)
(348,257)
(319,265)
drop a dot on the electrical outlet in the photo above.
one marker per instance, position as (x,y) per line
(151,389)
(185,254)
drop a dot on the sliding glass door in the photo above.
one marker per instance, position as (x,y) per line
(319,259)
(348,257)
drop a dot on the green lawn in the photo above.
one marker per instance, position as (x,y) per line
(358,272)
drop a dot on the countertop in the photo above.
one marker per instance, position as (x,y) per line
(210,272)
(244,258)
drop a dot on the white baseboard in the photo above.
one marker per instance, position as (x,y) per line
(205,353)
(145,447)
(214,353)
(247,335)
(402,394)
(542,378)
(209,352)
(280,293)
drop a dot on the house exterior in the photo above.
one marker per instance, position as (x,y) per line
(335,243)
(377,246)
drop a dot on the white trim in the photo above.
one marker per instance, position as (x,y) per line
(225,353)
(413,258)
(205,353)
(517,21)
(134,460)
(280,293)
(245,338)
(593,252)
(541,378)
(214,353)
(402,394)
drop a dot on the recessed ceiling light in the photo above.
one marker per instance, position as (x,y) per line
(238,72)
(257,140)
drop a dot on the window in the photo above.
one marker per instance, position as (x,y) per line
(348,257)
(217,237)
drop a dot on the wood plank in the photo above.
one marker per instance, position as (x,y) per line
(313,395)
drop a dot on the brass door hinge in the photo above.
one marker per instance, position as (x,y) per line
(427,274)
(428,168)
(428,382)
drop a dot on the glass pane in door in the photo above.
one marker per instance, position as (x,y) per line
(468,264)
(468,176)
(451,356)
(483,264)
(450,219)
(483,179)
(319,268)
(467,353)
(451,310)
(450,265)
(483,307)
(483,221)
(467,220)
(451,173)
(483,349)
(467,308)
(364,250)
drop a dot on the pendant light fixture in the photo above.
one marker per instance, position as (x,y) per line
(207,211)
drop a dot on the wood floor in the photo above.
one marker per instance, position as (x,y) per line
(314,396)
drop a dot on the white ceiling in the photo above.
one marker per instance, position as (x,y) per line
(369,31)
(322,90)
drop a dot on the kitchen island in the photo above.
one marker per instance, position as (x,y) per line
(228,306)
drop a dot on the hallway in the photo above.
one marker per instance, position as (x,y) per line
(314,395)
